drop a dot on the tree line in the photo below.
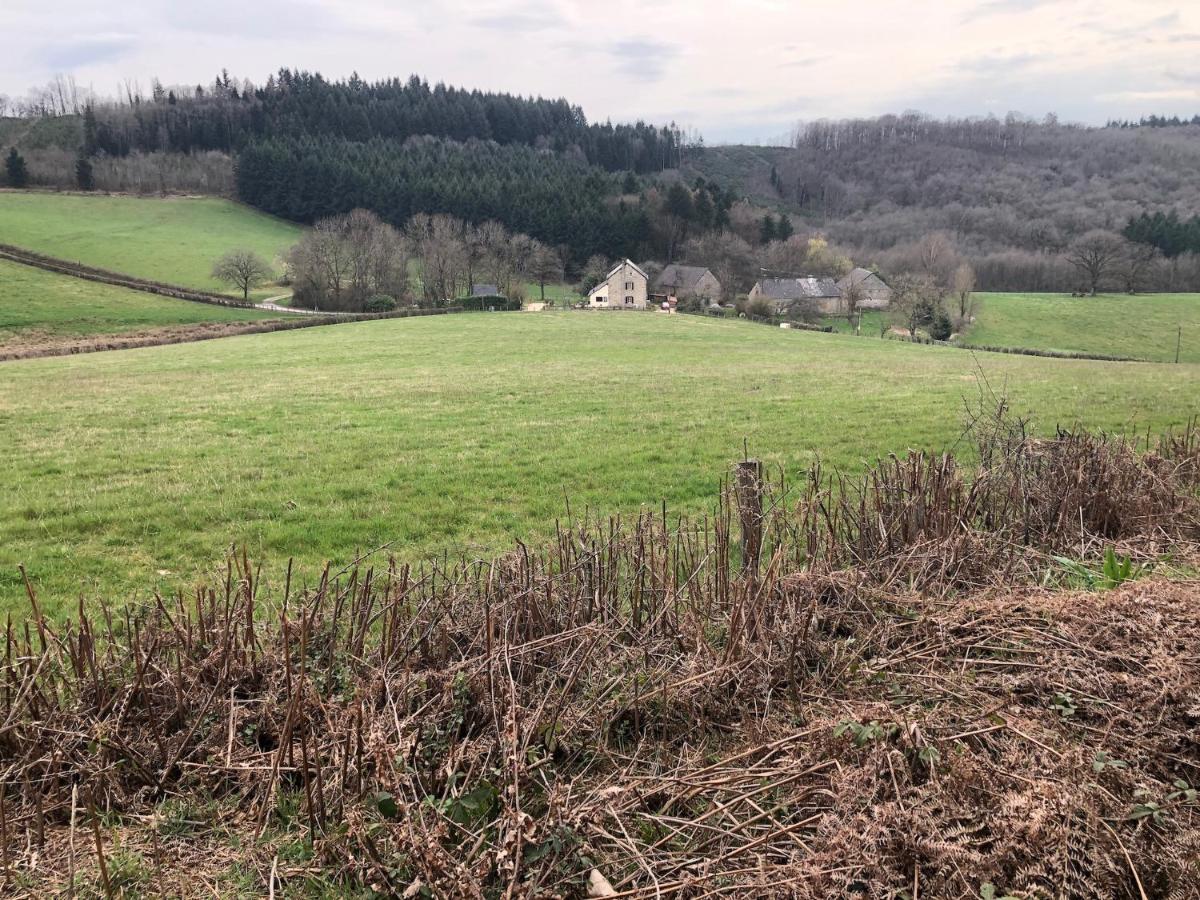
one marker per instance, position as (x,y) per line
(357,262)
(1153,122)
(229,115)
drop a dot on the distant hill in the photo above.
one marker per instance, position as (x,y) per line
(995,186)
(1009,195)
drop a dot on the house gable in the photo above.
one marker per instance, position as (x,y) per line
(626,287)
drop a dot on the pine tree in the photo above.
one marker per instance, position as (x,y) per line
(784,229)
(766,229)
(18,174)
(89,130)
(84,177)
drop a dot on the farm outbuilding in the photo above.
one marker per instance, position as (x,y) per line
(783,292)
(875,291)
(677,282)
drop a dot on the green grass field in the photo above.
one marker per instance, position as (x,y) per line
(1139,327)
(172,239)
(38,306)
(562,294)
(135,469)
(1144,326)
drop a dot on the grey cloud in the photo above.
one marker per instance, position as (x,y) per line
(70,55)
(1170,20)
(256,19)
(1182,76)
(1183,39)
(727,92)
(1003,7)
(1133,31)
(1000,64)
(803,62)
(527,18)
(644,58)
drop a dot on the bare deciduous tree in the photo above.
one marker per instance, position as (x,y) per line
(938,257)
(963,284)
(544,267)
(1135,264)
(594,272)
(915,299)
(852,298)
(1095,255)
(438,242)
(344,260)
(242,269)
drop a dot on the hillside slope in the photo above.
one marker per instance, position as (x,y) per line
(992,185)
(39,308)
(174,240)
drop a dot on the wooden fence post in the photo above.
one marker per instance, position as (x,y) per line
(750,511)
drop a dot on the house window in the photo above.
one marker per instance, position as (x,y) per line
(629,285)
(629,301)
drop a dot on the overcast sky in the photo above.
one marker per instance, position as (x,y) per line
(736,70)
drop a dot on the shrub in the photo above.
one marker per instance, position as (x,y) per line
(940,328)
(379,303)
(760,308)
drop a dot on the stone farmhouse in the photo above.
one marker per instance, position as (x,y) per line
(875,291)
(677,282)
(825,293)
(626,287)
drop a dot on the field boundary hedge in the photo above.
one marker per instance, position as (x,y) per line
(205,331)
(104,276)
(1051,354)
(982,348)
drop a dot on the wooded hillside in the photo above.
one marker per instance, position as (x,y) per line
(1011,193)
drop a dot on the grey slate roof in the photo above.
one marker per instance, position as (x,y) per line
(858,276)
(680,277)
(613,271)
(800,288)
(484,290)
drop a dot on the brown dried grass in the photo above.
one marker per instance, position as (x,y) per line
(876,710)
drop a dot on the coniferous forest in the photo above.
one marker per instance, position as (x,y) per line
(306,148)
(549,196)
(229,115)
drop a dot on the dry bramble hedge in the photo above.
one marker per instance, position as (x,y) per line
(884,704)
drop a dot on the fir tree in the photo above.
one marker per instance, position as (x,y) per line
(766,229)
(14,165)
(84,176)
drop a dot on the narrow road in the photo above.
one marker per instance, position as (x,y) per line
(271,304)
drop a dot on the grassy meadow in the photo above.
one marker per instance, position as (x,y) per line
(169,239)
(135,469)
(39,307)
(1144,326)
